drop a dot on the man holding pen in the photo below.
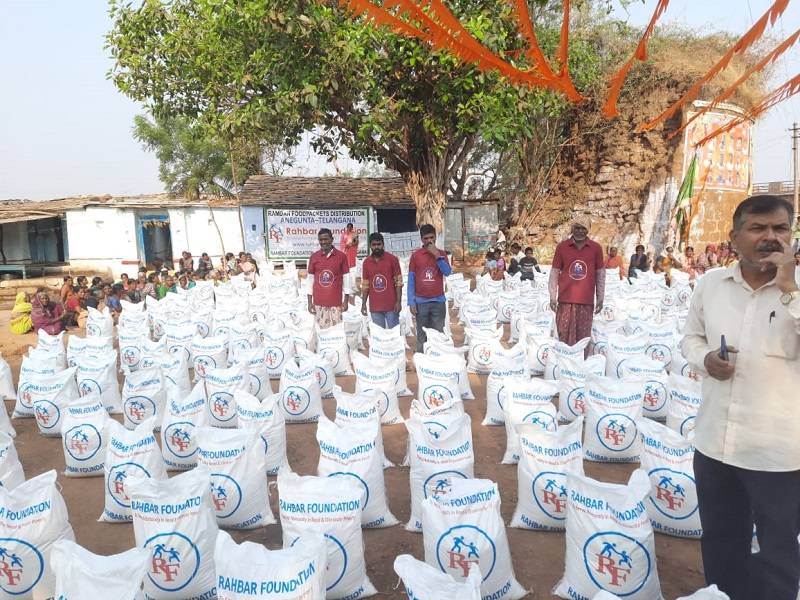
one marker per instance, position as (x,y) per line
(426,272)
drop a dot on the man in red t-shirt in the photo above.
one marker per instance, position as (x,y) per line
(381,284)
(426,272)
(327,268)
(577,279)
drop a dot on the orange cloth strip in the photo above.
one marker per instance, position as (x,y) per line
(525,25)
(610,107)
(563,46)
(561,82)
(445,32)
(768,59)
(381,17)
(745,42)
(786,91)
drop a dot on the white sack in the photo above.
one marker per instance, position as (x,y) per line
(83,574)
(234,460)
(613,406)
(11,473)
(667,457)
(610,542)
(129,454)
(174,521)
(182,416)
(546,457)
(33,517)
(99,375)
(264,417)
(249,571)
(301,401)
(464,527)
(83,437)
(527,401)
(439,453)
(424,582)
(351,451)
(143,396)
(332,507)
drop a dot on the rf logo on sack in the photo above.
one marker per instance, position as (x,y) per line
(673,493)
(550,493)
(616,562)
(21,566)
(82,441)
(174,561)
(616,432)
(463,545)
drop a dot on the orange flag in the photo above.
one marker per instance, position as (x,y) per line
(610,108)
(786,91)
(382,17)
(563,81)
(525,25)
(745,42)
(768,59)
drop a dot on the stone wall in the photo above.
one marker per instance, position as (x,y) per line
(627,184)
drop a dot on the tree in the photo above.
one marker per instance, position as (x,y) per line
(191,162)
(279,68)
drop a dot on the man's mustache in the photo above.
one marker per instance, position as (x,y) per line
(769,247)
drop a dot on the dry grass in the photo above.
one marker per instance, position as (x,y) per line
(683,55)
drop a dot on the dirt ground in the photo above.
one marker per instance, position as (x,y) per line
(538,557)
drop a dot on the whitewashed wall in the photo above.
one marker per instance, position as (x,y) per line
(102,239)
(192,229)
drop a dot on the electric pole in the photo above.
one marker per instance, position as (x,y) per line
(796,154)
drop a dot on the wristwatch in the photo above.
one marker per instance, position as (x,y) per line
(789,297)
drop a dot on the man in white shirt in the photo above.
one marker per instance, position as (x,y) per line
(747,434)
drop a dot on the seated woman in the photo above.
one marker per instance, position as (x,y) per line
(47,315)
(21,321)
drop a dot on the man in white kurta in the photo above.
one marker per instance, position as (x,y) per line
(747,433)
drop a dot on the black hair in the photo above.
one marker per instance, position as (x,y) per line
(427,229)
(123,275)
(528,249)
(67,278)
(639,246)
(324,231)
(96,280)
(515,245)
(376,237)
(760,205)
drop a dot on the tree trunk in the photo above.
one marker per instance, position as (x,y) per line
(429,198)
(236,193)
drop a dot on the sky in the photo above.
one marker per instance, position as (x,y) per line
(65,130)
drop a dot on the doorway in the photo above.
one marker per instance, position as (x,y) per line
(154,239)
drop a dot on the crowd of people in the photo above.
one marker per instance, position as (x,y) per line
(78,294)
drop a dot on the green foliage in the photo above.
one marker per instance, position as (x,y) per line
(250,69)
(191,160)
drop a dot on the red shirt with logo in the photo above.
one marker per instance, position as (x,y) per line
(577,280)
(328,271)
(428,279)
(381,273)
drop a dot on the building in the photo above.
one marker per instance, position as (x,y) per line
(279,216)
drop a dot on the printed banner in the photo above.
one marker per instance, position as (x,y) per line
(292,234)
